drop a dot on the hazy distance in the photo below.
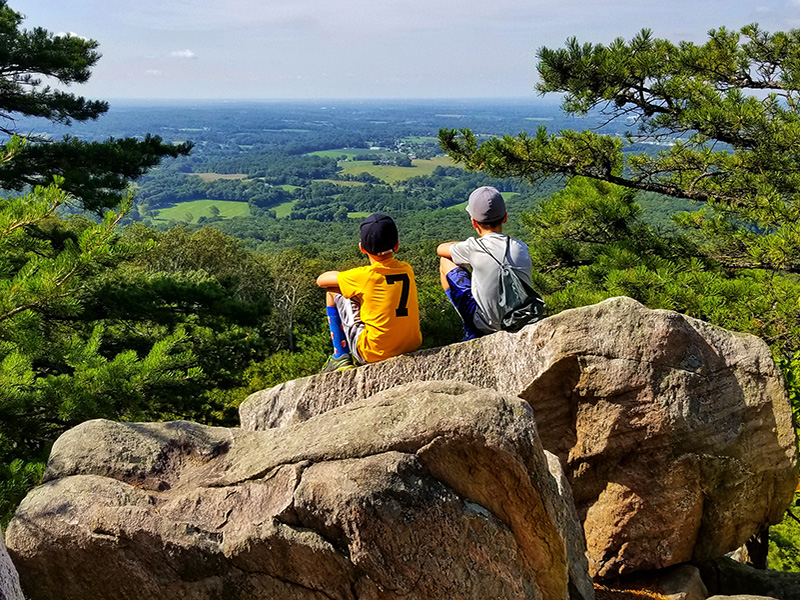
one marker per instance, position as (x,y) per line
(257,49)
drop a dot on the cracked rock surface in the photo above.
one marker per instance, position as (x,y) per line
(676,435)
(425,491)
(9,579)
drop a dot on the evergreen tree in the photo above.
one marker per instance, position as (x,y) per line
(589,242)
(53,376)
(726,110)
(96,173)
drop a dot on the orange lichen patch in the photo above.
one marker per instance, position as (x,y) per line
(603,593)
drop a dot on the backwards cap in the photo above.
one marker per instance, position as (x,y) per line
(378,234)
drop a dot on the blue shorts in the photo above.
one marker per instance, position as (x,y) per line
(460,296)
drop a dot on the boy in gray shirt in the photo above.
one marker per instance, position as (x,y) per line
(475,295)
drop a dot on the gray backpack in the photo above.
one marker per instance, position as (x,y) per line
(519,303)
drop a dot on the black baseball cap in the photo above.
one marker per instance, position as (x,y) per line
(378,234)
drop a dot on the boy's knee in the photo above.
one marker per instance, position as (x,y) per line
(446,265)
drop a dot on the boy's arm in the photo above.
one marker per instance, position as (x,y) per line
(329,280)
(443,250)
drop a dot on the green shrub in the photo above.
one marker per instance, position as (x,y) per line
(16,480)
(784,541)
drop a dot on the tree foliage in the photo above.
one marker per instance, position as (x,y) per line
(726,110)
(52,374)
(142,326)
(589,242)
(95,173)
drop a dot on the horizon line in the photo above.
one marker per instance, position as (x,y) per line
(336,99)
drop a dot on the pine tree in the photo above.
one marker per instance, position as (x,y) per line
(728,109)
(52,376)
(95,173)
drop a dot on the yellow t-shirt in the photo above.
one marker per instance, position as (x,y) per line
(389,308)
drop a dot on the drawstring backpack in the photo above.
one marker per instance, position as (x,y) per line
(519,303)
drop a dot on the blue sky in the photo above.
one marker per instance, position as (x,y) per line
(264,49)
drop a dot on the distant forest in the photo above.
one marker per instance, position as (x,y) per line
(261,171)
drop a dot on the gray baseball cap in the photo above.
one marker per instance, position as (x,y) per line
(486,205)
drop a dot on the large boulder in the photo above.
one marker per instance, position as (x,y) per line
(676,435)
(426,491)
(9,580)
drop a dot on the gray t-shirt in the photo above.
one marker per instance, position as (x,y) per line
(485,272)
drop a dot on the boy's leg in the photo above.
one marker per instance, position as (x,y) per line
(341,358)
(457,285)
(340,347)
(350,313)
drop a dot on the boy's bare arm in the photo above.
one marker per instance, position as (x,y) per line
(443,250)
(329,280)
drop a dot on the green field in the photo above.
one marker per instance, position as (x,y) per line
(202,208)
(421,139)
(392,174)
(283,210)
(350,152)
(207,177)
(343,183)
(338,153)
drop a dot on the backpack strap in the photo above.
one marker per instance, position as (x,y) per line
(505,255)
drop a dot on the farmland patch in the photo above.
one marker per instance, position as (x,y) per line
(208,177)
(190,212)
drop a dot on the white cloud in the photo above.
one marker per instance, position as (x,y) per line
(153,73)
(183,54)
(70,34)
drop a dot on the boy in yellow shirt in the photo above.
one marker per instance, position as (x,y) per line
(372,310)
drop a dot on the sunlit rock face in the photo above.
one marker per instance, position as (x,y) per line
(425,491)
(675,435)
